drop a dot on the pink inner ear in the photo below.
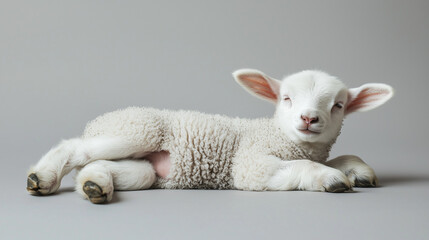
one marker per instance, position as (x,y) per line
(365,98)
(259,86)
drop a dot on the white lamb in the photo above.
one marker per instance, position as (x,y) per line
(183,149)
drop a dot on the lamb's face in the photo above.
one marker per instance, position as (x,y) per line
(311,105)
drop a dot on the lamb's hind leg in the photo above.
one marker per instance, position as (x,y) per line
(97,180)
(45,177)
(357,171)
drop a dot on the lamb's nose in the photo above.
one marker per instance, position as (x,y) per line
(309,120)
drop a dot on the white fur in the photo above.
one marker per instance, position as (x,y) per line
(354,168)
(305,175)
(214,151)
(73,153)
(118,175)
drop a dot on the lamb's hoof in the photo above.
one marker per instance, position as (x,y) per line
(338,187)
(33,186)
(94,192)
(362,182)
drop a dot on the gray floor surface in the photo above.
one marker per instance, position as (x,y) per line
(398,209)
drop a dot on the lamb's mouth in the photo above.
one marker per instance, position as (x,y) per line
(308,131)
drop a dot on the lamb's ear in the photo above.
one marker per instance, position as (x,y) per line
(368,96)
(258,84)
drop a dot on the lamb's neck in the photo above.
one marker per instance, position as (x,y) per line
(317,151)
(314,151)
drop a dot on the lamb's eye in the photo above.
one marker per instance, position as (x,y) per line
(286,98)
(339,105)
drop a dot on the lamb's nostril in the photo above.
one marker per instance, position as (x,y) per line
(314,120)
(309,120)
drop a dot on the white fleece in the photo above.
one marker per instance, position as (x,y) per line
(202,147)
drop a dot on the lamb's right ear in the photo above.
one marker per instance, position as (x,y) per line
(258,84)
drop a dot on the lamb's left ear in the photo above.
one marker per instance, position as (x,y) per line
(368,96)
(258,84)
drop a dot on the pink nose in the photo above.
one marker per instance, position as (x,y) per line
(309,120)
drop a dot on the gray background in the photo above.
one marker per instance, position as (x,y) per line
(64,63)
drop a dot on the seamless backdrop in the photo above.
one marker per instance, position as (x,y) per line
(64,63)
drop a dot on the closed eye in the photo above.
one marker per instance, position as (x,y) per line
(286,98)
(339,105)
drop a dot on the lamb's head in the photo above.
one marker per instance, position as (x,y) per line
(311,105)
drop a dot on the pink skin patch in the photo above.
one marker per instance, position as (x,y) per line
(160,162)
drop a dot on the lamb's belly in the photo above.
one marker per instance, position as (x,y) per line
(186,171)
(190,173)
(161,163)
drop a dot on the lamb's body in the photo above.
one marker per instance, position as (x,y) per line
(201,146)
(141,148)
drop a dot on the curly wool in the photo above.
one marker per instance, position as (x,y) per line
(202,147)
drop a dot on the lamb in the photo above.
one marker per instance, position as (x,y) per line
(141,148)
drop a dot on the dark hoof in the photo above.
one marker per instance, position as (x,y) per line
(33,184)
(360,182)
(338,188)
(94,192)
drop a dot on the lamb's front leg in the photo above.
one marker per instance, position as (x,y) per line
(358,172)
(308,175)
(272,173)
